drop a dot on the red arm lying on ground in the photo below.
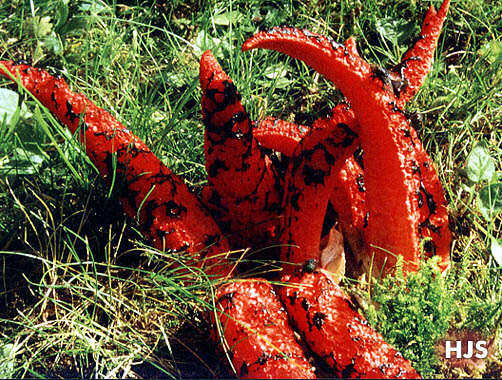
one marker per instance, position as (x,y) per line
(257,332)
(169,213)
(327,319)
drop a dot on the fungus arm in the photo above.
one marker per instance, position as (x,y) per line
(240,191)
(334,330)
(312,174)
(255,329)
(280,135)
(417,61)
(169,213)
(387,139)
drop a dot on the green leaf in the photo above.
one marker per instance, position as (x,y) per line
(275,71)
(278,73)
(75,24)
(94,7)
(227,18)
(8,105)
(7,361)
(395,31)
(496,249)
(205,41)
(492,51)
(176,79)
(490,200)
(274,15)
(480,166)
(40,26)
(22,162)
(62,13)
(53,43)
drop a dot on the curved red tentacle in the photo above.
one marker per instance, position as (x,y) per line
(283,136)
(392,186)
(347,195)
(169,213)
(348,190)
(256,329)
(331,59)
(333,329)
(240,191)
(312,174)
(348,199)
(417,61)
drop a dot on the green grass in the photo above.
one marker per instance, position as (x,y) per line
(82,294)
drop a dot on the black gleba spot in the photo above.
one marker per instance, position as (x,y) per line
(318,319)
(244,369)
(173,209)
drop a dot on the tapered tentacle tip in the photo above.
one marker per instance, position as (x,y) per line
(209,70)
(256,40)
(440,14)
(251,42)
(13,66)
(206,56)
(431,12)
(6,66)
(443,10)
(273,37)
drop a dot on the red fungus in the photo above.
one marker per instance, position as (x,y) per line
(309,182)
(417,61)
(251,195)
(256,331)
(280,135)
(395,189)
(240,186)
(332,328)
(169,213)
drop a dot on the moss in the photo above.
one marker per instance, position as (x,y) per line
(413,313)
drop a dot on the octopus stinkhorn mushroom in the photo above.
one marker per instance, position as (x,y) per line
(389,203)
(403,194)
